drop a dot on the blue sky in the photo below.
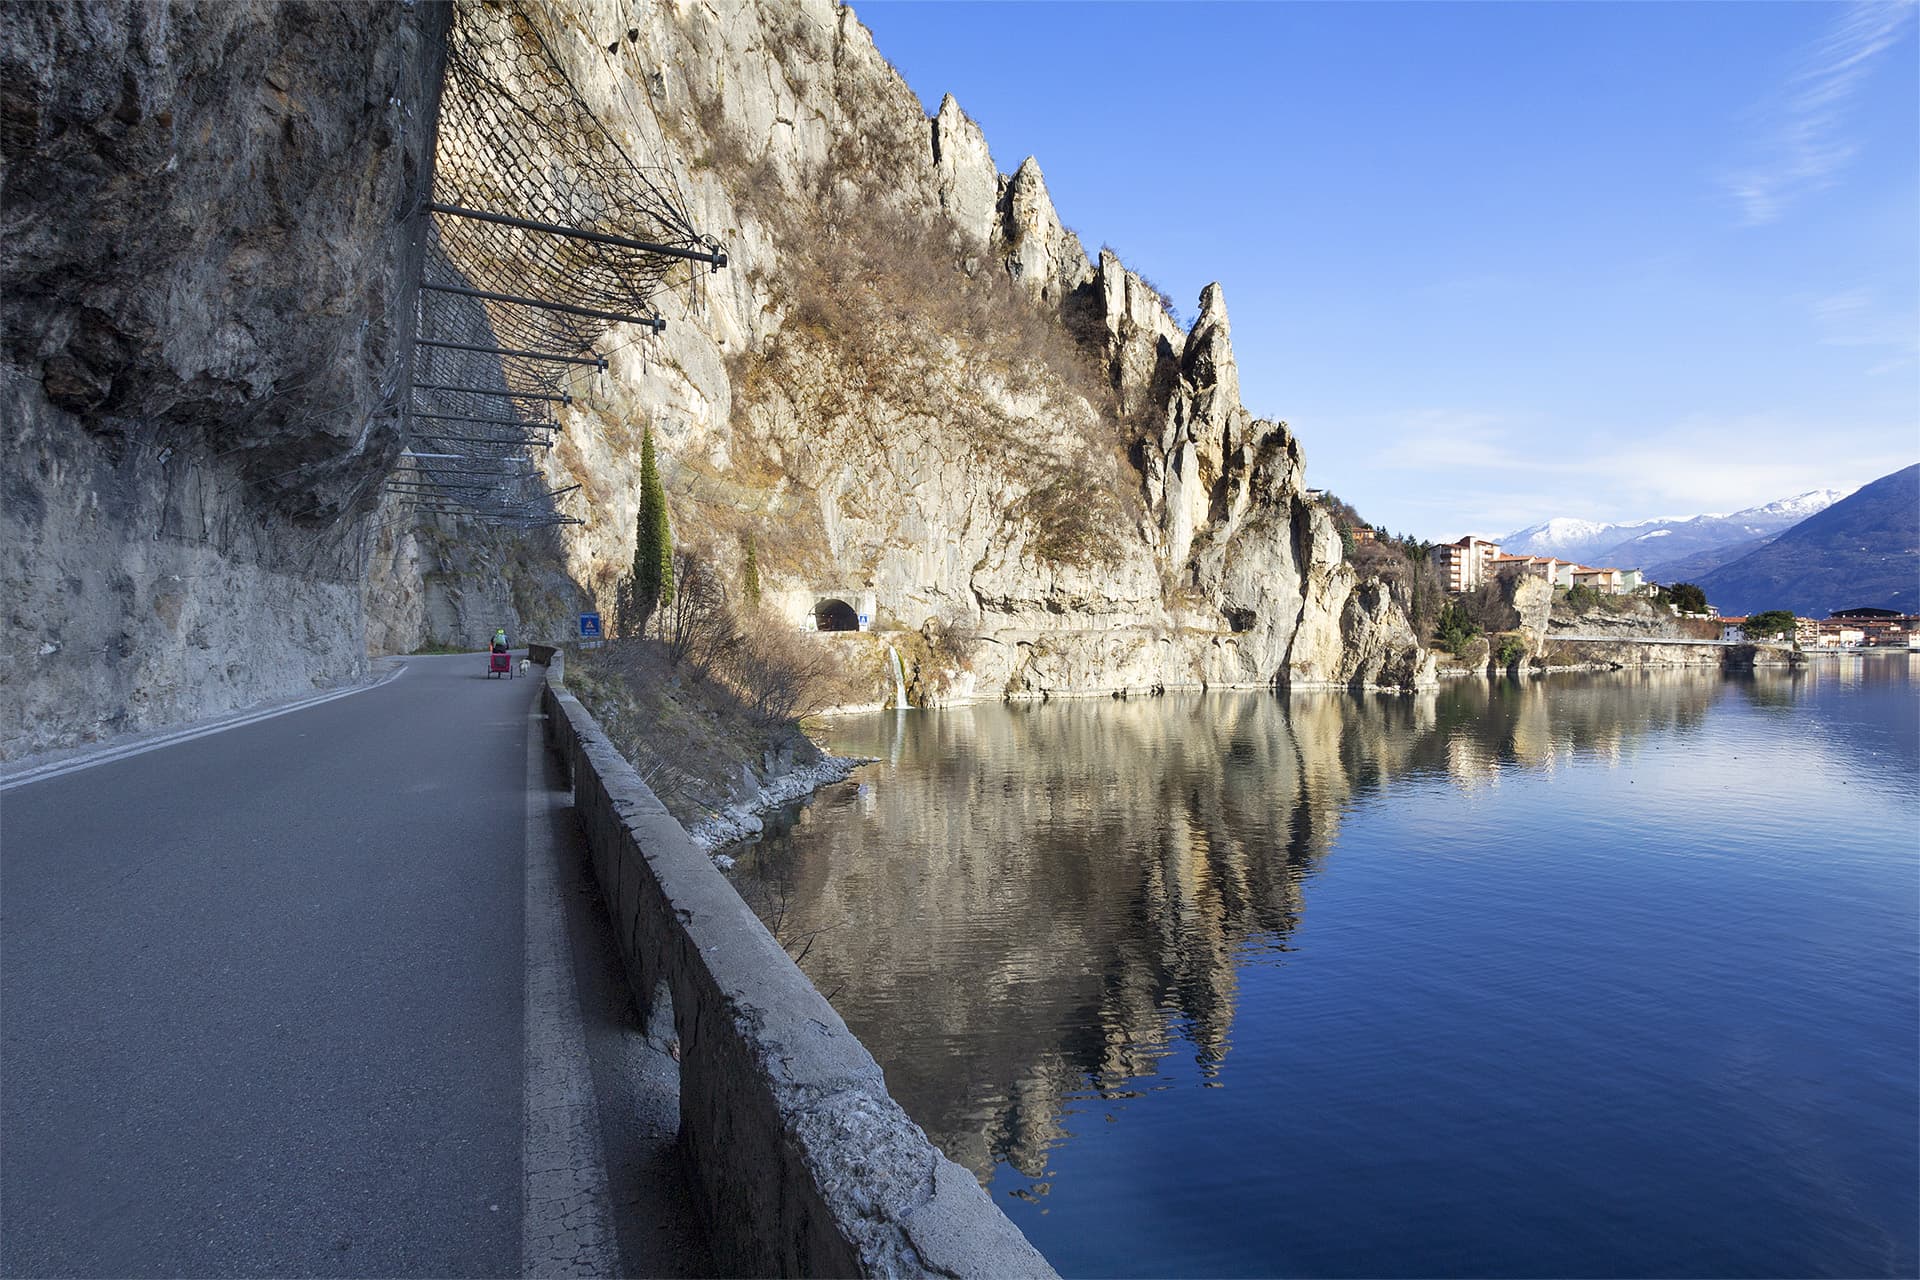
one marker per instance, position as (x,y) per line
(1497,262)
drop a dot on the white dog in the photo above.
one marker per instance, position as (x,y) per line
(523,666)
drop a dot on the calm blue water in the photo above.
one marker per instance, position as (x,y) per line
(1610,976)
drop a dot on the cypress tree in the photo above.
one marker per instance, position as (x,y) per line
(750,575)
(653,539)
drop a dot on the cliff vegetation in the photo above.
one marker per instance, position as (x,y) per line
(914,386)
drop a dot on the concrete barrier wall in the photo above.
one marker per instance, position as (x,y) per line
(802,1162)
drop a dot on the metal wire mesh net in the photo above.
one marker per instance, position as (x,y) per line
(530,257)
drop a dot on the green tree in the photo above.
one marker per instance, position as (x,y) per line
(1774,622)
(653,540)
(1687,597)
(1455,630)
(750,574)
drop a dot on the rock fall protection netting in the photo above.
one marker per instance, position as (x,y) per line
(540,235)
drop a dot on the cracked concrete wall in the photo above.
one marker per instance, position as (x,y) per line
(801,1160)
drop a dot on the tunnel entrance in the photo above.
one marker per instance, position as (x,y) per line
(835,615)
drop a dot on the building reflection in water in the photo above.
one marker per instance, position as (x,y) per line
(1026,909)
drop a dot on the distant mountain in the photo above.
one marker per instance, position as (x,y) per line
(1650,544)
(1692,568)
(1863,551)
(1582,540)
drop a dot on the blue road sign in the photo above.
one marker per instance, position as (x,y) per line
(864,619)
(589,626)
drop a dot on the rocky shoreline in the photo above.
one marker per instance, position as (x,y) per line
(740,822)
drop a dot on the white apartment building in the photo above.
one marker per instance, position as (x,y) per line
(1466,564)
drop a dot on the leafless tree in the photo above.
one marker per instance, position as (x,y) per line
(781,675)
(697,625)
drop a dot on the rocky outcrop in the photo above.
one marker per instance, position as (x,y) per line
(1143,341)
(1624,618)
(915,383)
(1612,655)
(1045,259)
(1531,599)
(912,380)
(1381,649)
(1513,612)
(968,183)
(200,277)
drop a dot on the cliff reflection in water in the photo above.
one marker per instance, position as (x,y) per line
(1023,907)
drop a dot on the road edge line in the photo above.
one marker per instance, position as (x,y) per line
(109,754)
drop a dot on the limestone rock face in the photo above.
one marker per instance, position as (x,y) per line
(1206,431)
(1042,256)
(969,185)
(200,264)
(204,241)
(1381,648)
(1532,604)
(1623,618)
(1143,342)
(910,385)
(913,386)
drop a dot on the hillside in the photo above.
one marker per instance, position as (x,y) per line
(1863,551)
(1691,568)
(912,385)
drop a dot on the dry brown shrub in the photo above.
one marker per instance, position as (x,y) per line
(778,674)
(725,150)
(953,638)
(1074,519)
(782,675)
(598,492)
(697,624)
(873,300)
(885,290)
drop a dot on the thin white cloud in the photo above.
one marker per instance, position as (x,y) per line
(1858,318)
(1474,470)
(1806,146)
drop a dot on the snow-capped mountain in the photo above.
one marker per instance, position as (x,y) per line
(1648,544)
(1860,552)
(1572,539)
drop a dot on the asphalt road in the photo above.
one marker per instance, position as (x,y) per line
(263,1004)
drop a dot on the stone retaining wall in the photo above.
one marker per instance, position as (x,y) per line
(800,1160)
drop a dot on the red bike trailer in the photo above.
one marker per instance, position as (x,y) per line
(499,664)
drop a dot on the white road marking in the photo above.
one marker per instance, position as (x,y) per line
(566,1216)
(107,755)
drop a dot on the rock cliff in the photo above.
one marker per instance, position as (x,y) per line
(200,265)
(913,384)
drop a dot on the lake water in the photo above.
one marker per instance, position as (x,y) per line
(1611,975)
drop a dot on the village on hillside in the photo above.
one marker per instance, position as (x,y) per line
(1470,563)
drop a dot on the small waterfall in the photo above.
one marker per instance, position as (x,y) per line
(899,679)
